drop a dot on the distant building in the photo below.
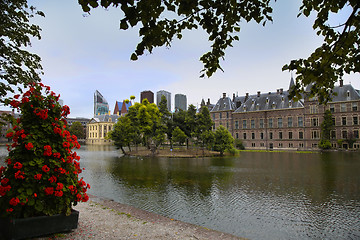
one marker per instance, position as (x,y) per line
(125,108)
(101,106)
(207,104)
(6,127)
(98,127)
(149,95)
(167,96)
(180,102)
(117,108)
(83,122)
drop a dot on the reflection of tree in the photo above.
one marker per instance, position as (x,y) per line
(328,167)
(153,173)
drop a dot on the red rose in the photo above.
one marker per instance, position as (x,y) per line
(48,150)
(29,146)
(19,175)
(9,134)
(66,144)
(18,165)
(52,179)
(57,130)
(59,186)
(45,168)
(38,176)
(14,201)
(4,181)
(9,210)
(49,190)
(58,193)
(23,136)
(85,198)
(57,155)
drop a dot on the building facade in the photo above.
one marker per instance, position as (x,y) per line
(180,102)
(98,127)
(149,95)
(167,96)
(101,106)
(273,121)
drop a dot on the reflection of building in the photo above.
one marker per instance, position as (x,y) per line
(149,95)
(101,106)
(273,121)
(167,96)
(180,102)
(98,127)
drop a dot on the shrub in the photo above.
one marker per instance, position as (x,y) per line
(41,173)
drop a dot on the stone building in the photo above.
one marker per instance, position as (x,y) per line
(98,127)
(273,121)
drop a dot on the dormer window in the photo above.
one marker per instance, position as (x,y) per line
(348,94)
(273,105)
(267,100)
(290,103)
(257,106)
(282,98)
(244,108)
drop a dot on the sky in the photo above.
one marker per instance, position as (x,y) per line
(81,54)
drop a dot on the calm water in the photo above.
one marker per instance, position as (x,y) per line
(254,195)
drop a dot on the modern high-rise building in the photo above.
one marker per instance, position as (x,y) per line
(101,106)
(180,102)
(149,95)
(167,96)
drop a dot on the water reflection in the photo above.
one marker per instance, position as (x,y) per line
(255,195)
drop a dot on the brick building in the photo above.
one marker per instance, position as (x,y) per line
(273,121)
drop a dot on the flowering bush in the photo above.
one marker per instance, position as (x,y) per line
(41,176)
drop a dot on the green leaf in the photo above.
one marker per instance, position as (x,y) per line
(134,57)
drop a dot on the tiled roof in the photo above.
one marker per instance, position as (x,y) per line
(224,104)
(345,93)
(105,118)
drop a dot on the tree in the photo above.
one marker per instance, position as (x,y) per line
(77,129)
(123,133)
(190,118)
(203,125)
(165,117)
(223,140)
(178,136)
(339,53)
(326,126)
(17,66)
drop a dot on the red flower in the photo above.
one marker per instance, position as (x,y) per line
(58,193)
(38,176)
(45,168)
(3,190)
(66,144)
(9,134)
(59,186)
(8,161)
(78,197)
(19,175)
(57,130)
(4,181)
(23,136)
(35,195)
(48,150)
(9,210)
(52,179)
(18,165)
(57,155)
(2,169)
(85,198)
(29,146)
(49,190)
(14,201)
(16,96)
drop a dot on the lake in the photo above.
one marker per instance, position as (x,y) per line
(255,195)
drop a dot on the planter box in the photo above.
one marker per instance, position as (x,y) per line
(22,228)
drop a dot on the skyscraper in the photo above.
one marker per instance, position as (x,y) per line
(149,95)
(167,96)
(101,106)
(180,102)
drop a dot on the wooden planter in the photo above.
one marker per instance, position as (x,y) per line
(23,228)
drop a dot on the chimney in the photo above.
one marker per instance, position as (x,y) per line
(224,95)
(258,93)
(233,97)
(246,97)
(281,90)
(208,102)
(277,91)
(341,82)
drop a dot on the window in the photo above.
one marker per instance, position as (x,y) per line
(333,134)
(220,115)
(290,135)
(301,135)
(270,122)
(237,135)
(262,135)
(244,135)
(227,114)
(343,107)
(261,123)
(300,122)
(280,145)
(343,121)
(271,135)
(314,122)
(252,135)
(236,124)
(244,124)
(315,135)
(344,134)
(356,133)
(280,135)
(354,107)
(252,123)
(301,145)
(253,145)
(355,120)
(313,109)
(213,116)
(291,145)
(290,122)
(334,121)
(332,108)
(280,123)
(227,125)
(262,145)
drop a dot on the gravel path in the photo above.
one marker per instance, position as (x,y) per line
(105,219)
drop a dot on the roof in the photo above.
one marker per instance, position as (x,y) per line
(345,93)
(104,118)
(223,104)
(268,101)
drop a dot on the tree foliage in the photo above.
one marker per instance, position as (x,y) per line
(77,129)
(162,21)
(223,140)
(178,136)
(326,126)
(17,66)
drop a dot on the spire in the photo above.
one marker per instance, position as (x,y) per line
(292,83)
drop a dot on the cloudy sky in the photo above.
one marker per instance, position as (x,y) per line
(83,54)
